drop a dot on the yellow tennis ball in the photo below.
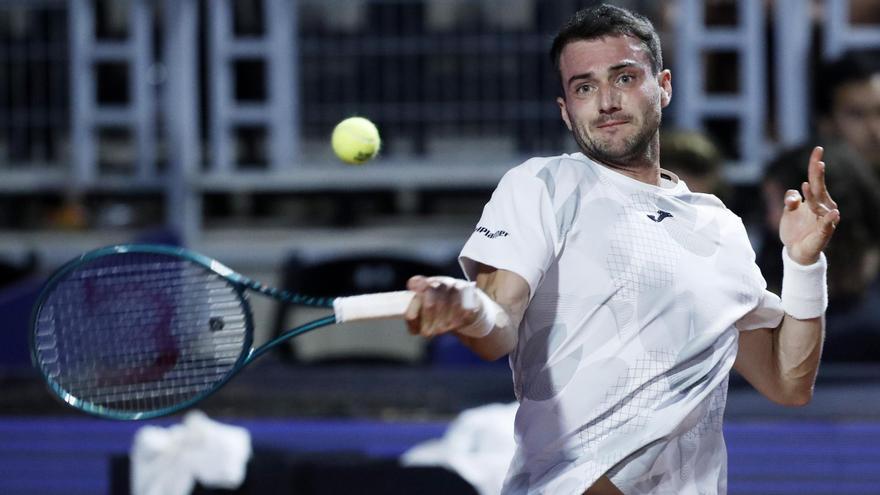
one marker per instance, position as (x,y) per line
(355,140)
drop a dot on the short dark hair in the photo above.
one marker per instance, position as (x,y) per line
(608,20)
(852,66)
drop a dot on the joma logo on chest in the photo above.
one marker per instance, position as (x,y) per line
(660,216)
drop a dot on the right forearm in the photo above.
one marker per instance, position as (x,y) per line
(510,298)
(500,342)
(488,325)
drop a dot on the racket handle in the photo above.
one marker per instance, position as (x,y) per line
(372,306)
(383,305)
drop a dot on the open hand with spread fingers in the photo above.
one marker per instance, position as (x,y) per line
(808,223)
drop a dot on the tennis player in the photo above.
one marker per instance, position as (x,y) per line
(622,298)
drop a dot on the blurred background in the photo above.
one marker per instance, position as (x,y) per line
(206,124)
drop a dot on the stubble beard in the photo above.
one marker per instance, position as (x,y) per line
(633,150)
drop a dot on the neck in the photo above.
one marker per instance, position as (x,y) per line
(643,166)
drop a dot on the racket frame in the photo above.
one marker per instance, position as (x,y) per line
(239,282)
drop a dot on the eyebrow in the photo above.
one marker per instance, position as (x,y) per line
(613,68)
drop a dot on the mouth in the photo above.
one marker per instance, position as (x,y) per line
(613,123)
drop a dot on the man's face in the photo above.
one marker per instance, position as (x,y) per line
(855,117)
(612,101)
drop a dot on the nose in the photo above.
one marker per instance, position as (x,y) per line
(609,100)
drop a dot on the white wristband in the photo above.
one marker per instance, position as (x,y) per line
(804,288)
(486,319)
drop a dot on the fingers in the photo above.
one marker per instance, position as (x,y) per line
(818,192)
(813,244)
(413,315)
(815,170)
(810,198)
(792,199)
(818,199)
(417,283)
(820,207)
(829,223)
(434,299)
(436,307)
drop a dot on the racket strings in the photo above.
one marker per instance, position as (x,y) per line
(190,369)
(126,315)
(123,315)
(231,345)
(194,384)
(140,332)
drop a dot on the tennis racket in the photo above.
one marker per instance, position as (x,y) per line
(141,331)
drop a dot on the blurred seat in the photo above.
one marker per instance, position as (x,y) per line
(12,271)
(16,303)
(373,342)
(271,471)
(447,350)
(19,287)
(161,235)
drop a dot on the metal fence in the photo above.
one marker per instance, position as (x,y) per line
(188,97)
(34,77)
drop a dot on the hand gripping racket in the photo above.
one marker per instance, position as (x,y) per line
(140,331)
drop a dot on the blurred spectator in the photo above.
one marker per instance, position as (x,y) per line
(864,11)
(695,159)
(853,317)
(71,214)
(847,100)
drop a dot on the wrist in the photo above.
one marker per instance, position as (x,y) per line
(804,287)
(487,316)
(800,258)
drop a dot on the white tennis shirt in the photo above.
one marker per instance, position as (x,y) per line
(623,355)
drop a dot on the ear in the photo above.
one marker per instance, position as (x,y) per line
(664,79)
(564,111)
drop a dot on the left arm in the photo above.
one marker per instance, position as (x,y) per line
(782,362)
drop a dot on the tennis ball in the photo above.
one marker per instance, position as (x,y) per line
(355,140)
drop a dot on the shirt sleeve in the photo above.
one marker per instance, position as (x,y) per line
(517,231)
(768,312)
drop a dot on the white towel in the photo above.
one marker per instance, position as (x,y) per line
(478,445)
(169,461)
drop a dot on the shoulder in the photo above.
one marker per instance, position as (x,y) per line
(709,204)
(529,177)
(550,166)
(711,208)
(532,168)
(556,176)
(707,201)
